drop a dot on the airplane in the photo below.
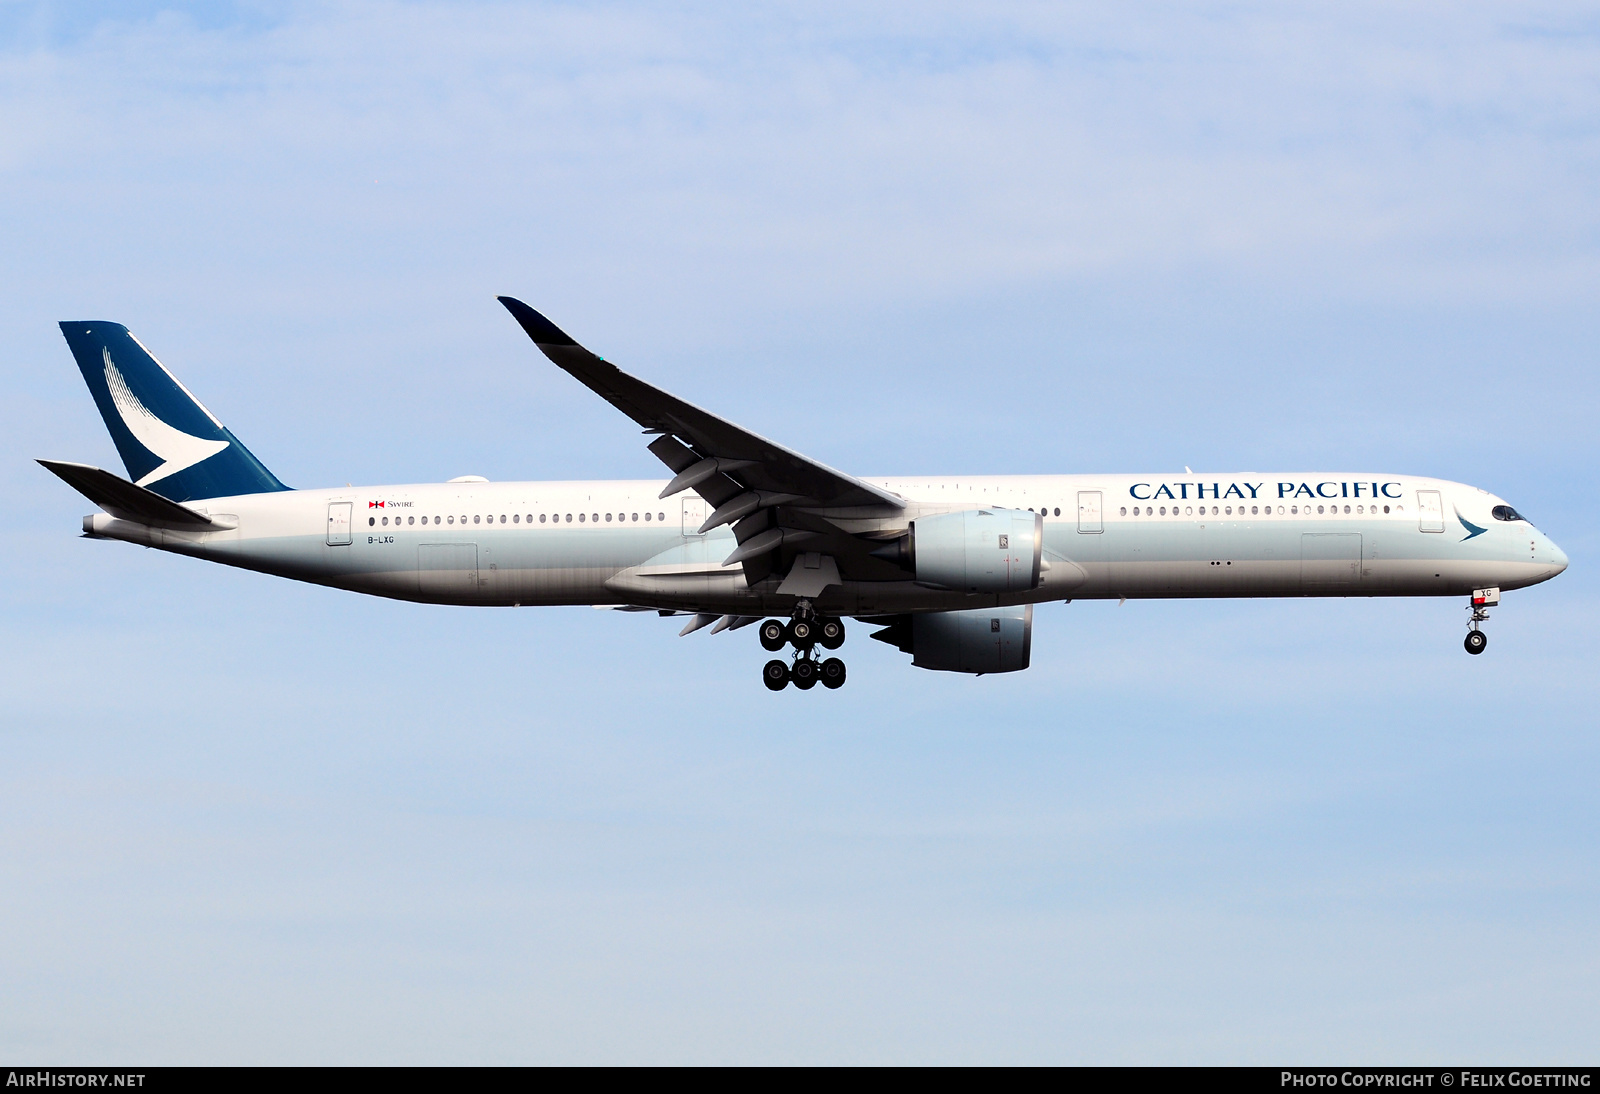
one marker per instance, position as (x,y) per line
(746,531)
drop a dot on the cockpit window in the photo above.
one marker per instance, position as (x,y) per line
(1505,512)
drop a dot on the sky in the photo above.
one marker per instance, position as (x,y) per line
(249,821)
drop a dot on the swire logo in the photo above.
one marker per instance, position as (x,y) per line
(374,505)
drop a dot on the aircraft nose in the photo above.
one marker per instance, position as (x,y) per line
(1558,558)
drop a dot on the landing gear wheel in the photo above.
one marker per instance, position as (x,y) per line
(775,674)
(1476,641)
(804,673)
(802,634)
(831,634)
(772,636)
(833,673)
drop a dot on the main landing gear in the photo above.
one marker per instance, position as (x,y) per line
(1477,641)
(805,632)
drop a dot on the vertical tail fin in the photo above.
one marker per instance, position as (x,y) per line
(169,442)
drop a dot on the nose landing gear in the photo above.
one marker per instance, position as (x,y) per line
(805,632)
(1477,641)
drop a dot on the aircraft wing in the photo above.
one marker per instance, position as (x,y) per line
(721,460)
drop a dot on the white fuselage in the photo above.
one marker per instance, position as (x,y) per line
(617,542)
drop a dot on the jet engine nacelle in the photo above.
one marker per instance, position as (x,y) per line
(979,550)
(977,640)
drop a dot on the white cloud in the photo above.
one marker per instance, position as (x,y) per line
(1427,152)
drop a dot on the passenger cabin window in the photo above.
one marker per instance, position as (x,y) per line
(1505,512)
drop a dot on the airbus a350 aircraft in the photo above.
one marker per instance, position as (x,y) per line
(747,531)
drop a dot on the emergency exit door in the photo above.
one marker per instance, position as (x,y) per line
(339,523)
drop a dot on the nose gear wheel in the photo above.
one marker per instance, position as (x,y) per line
(1477,641)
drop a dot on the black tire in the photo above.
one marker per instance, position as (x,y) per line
(802,634)
(804,673)
(833,673)
(1476,642)
(830,634)
(775,674)
(773,638)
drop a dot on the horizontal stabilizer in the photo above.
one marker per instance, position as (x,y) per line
(122,499)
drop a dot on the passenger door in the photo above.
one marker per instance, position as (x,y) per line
(694,515)
(1430,509)
(1089,521)
(339,523)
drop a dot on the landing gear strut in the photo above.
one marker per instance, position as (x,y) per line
(805,631)
(1477,641)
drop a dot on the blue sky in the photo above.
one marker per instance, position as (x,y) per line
(243,820)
